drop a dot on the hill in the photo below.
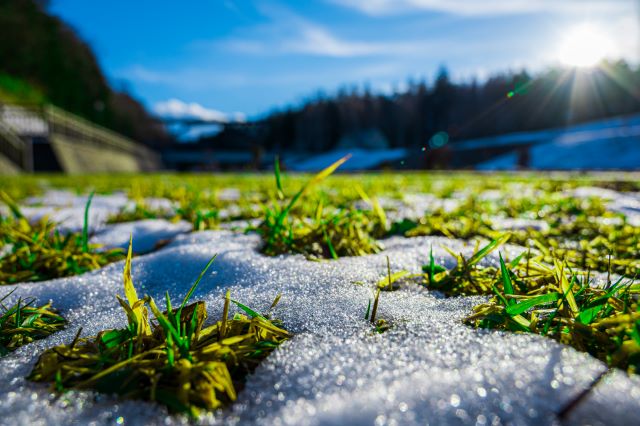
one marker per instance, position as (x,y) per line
(44,59)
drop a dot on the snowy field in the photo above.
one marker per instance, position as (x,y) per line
(429,368)
(611,144)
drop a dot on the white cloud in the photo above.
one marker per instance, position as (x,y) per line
(289,33)
(315,40)
(140,73)
(175,108)
(482,7)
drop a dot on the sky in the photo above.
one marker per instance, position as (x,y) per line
(233,59)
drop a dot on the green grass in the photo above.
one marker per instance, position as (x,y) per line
(38,251)
(175,360)
(579,231)
(588,243)
(17,91)
(466,278)
(546,290)
(327,232)
(256,185)
(322,221)
(24,321)
(201,211)
(563,304)
(465,222)
(140,211)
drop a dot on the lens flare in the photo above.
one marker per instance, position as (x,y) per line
(584,46)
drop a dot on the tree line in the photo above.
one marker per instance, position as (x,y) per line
(504,103)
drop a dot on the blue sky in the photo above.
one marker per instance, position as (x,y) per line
(208,57)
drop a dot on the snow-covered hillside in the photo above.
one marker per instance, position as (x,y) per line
(602,145)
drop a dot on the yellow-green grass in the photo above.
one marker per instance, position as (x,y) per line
(176,360)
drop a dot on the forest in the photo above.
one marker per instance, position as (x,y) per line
(504,103)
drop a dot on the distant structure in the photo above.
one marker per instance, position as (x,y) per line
(45,138)
(232,148)
(371,138)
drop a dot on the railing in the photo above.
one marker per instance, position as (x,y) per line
(65,123)
(15,149)
(86,132)
(49,121)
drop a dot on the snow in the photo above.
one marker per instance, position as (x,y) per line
(147,234)
(411,206)
(67,209)
(229,194)
(607,393)
(429,368)
(603,145)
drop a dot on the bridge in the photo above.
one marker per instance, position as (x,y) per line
(45,138)
(182,125)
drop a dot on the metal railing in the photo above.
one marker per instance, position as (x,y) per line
(64,123)
(50,121)
(15,149)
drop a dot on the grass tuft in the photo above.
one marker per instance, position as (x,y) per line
(467,277)
(38,251)
(175,360)
(24,322)
(325,233)
(139,211)
(565,305)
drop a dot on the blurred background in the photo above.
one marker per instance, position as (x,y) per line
(108,86)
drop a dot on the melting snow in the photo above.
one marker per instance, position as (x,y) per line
(147,234)
(429,368)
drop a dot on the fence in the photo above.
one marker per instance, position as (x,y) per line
(80,145)
(14,149)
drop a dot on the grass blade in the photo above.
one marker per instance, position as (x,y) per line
(506,280)
(15,210)
(248,310)
(85,226)
(319,177)
(195,284)
(276,169)
(484,251)
(525,305)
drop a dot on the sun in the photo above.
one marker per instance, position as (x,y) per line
(584,46)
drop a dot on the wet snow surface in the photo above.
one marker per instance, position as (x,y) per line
(429,368)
